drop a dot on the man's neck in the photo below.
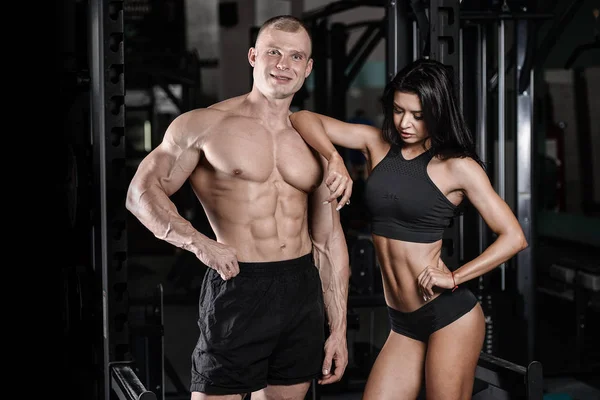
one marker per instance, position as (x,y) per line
(267,108)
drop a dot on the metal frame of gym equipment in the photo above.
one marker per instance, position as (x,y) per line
(523,275)
(108,235)
(498,379)
(577,276)
(525,283)
(329,48)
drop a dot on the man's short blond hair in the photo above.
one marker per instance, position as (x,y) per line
(286,23)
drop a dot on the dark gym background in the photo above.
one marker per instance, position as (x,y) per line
(128,67)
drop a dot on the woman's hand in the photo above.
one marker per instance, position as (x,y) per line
(434,276)
(338,181)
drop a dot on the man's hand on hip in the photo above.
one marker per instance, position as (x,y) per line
(221,258)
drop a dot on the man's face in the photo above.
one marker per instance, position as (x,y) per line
(281,62)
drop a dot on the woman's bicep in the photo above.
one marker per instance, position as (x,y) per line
(493,209)
(350,135)
(340,133)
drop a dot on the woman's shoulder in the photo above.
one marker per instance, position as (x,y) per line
(465,169)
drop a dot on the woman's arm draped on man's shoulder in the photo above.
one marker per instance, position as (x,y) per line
(322,133)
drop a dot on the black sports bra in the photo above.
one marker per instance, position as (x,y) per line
(403,201)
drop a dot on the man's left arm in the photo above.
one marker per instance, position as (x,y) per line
(331,257)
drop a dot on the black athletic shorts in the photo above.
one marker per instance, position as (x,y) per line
(434,315)
(264,326)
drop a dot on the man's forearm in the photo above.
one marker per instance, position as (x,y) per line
(159,215)
(334,270)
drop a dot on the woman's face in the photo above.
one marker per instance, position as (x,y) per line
(408,118)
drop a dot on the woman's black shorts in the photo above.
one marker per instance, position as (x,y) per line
(265,326)
(438,313)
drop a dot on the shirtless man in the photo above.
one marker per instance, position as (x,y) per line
(262,303)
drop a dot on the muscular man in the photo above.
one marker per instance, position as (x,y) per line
(262,302)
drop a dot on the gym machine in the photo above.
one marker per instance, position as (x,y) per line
(96,332)
(127,385)
(496,378)
(109,181)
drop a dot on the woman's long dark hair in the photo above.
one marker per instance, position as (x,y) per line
(432,82)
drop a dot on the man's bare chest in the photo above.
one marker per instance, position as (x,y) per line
(259,155)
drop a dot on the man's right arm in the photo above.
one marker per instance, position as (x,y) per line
(160,174)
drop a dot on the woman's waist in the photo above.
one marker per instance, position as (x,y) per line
(406,260)
(406,297)
(401,265)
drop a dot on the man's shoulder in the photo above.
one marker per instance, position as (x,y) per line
(202,118)
(230,105)
(221,109)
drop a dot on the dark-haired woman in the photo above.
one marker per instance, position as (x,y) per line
(422,164)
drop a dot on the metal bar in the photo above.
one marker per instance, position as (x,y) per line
(415,42)
(444,32)
(392,40)
(420,14)
(460,69)
(99,144)
(501,377)
(482,116)
(556,30)
(321,77)
(398,45)
(501,112)
(524,210)
(535,381)
(360,24)
(444,38)
(337,7)
(126,384)
(339,81)
(581,49)
(523,77)
(165,87)
(357,66)
(518,381)
(108,235)
(501,162)
(460,83)
(510,55)
(476,16)
(584,139)
(362,40)
(500,364)
(156,344)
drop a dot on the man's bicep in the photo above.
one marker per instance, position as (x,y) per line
(179,153)
(168,166)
